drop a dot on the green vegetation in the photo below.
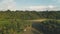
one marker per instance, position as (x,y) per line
(14,22)
(29,15)
(48,26)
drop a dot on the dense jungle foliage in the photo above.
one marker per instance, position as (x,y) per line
(29,15)
(14,22)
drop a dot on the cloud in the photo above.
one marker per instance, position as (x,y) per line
(42,8)
(7,4)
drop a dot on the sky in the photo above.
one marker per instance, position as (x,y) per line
(39,5)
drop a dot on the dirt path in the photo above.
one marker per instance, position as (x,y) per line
(31,31)
(38,20)
(27,30)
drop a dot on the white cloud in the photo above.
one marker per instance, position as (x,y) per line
(50,6)
(7,4)
(42,8)
(37,7)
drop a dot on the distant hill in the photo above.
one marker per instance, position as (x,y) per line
(29,15)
